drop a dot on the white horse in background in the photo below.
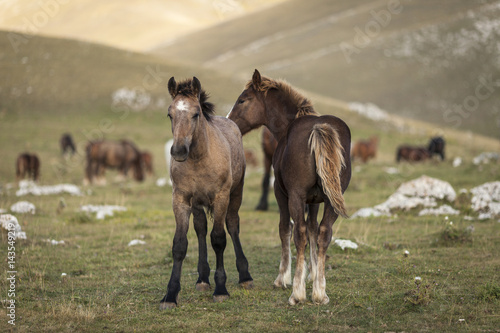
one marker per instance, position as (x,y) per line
(163,181)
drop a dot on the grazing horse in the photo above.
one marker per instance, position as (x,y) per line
(122,155)
(436,146)
(365,149)
(311,165)
(412,153)
(269,144)
(207,171)
(67,144)
(27,164)
(147,160)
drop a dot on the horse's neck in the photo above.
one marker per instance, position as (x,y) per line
(280,115)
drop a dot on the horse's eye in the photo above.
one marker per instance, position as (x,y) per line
(196,115)
(241,101)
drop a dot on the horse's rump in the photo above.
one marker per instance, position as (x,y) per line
(315,153)
(328,155)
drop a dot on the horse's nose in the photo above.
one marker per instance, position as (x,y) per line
(179,152)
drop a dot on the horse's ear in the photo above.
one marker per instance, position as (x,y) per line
(196,85)
(256,80)
(172,87)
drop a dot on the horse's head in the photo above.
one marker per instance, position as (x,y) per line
(188,104)
(249,110)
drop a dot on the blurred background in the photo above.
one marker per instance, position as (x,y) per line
(102,67)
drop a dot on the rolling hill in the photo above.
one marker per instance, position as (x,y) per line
(433,61)
(133,24)
(56,85)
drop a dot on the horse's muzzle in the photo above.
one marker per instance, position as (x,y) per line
(179,152)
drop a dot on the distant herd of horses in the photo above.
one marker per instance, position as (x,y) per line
(311,157)
(122,155)
(365,150)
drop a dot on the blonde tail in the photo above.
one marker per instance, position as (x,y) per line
(328,152)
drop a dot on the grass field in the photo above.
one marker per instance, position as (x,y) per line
(110,286)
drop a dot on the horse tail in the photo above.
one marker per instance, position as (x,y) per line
(325,144)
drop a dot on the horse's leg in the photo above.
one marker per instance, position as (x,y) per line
(88,171)
(182,211)
(285,272)
(263,204)
(324,238)
(297,207)
(218,239)
(200,226)
(233,228)
(312,231)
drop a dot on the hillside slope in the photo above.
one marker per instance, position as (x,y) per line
(132,24)
(434,61)
(57,85)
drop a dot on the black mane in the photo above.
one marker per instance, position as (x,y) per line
(185,88)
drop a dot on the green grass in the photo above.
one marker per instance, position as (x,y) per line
(112,287)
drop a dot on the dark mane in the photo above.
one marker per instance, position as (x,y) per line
(185,88)
(304,105)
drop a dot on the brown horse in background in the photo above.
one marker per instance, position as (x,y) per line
(412,153)
(312,165)
(28,164)
(365,149)
(269,145)
(67,144)
(122,155)
(207,171)
(147,160)
(417,153)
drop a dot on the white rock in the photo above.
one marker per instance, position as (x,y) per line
(369,212)
(443,210)
(486,198)
(391,170)
(369,110)
(9,223)
(30,187)
(345,243)
(428,187)
(55,242)
(457,161)
(102,210)
(422,191)
(485,158)
(401,201)
(23,207)
(136,242)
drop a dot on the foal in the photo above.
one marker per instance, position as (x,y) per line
(207,171)
(311,165)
